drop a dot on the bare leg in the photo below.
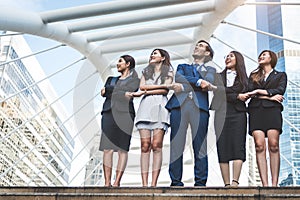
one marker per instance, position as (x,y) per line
(122,162)
(237,167)
(107,166)
(145,154)
(157,143)
(225,173)
(273,147)
(260,147)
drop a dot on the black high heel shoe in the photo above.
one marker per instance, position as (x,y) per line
(235,181)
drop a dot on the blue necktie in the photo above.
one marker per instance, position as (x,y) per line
(195,69)
(201,69)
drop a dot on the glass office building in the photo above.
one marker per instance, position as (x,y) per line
(282,21)
(36,146)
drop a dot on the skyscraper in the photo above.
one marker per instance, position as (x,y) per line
(36,145)
(282,21)
(293,107)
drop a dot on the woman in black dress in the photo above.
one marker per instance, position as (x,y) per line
(267,87)
(230,116)
(118,117)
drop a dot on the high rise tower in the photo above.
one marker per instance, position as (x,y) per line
(36,146)
(282,21)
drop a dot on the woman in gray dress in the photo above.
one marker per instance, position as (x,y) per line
(118,117)
(152,117)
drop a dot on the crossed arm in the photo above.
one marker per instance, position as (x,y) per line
(188,83)
(272,94)
(153,89)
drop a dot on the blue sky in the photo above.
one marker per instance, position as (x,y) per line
(43,5)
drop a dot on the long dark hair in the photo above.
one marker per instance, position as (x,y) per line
(165,68)
(130,59)
(257,75)
(241,69)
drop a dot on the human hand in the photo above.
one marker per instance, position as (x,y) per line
(212,87)
(243,97)
(177,87)
(138,93)
(278,97)
(205,85)
(102,92)
(169,86)
(128,95)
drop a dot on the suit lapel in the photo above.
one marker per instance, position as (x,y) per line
(271,76)
(223,75)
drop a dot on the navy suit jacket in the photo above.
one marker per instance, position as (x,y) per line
(275,84)
(188,76)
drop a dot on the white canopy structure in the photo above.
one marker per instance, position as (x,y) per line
(122,26)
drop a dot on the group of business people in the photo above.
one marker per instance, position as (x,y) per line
(189,106)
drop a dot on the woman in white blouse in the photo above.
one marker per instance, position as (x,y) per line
(153,118)
(230,116)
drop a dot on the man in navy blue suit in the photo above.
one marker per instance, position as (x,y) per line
(189,106)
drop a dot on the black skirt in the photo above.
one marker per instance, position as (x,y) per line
(116,131)
(231,131)
(264,119)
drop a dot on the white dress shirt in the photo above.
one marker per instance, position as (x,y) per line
(230,77)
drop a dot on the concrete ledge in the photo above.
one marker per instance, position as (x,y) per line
(139,193)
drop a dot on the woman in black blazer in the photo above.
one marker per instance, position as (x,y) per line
(117,117)
(267,87)
(230,116)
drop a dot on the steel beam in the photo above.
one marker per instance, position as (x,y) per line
(105,8)
(142,16)
(135,30)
